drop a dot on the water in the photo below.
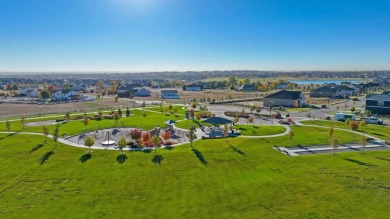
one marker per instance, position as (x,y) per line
(302,82)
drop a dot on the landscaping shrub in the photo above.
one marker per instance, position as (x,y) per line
(239,114)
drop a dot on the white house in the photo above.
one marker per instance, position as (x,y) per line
(170,94)
(63,95)
(29,92)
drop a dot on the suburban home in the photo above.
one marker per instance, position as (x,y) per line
(29,92)
(170,94)
(370,86)
(193,88)
(247,88)
(335,91)
(141,92)
(345,91)
(325,91)
(79,87)
(282,85)
(285,98)
(63,95)
(379,104)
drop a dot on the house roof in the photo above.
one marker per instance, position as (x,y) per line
(285,94)
(328,89)
(248,86)
(169,91)
(217,120)
(382,97)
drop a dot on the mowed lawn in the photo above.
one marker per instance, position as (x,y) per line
(257,130)
(137,119)
(379,131)
(241,178)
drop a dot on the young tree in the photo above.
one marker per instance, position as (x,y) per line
(56,134)
(145,137)
(143,107)
(363,124)
(337,108)
(45,132)
(156,142)
(23,120)
(170,108)
(291,134)
(258,110)
(116,117)
(354,125)
(8,125)
(334,144)
(122,143)
(127,112)
(363,142)
(88,142)
(347,122)
(86,121)
(331,132)
(250,119)
(191,134)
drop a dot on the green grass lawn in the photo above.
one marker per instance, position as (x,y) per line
(244,178)
(297,110)
(256,130)
(379,131)
(185,124)
(72,127)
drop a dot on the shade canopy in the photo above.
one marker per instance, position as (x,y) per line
(170,122)
(218,121)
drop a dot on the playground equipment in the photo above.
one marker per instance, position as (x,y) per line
(107,141)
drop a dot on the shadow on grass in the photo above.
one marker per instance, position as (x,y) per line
(157,159)
(359,162)
(169,148)
(147,150)
(36,148)
(199,155)
(235,149)
(121,159)
(85,158)
(382,158)
(9,135)
(46,157)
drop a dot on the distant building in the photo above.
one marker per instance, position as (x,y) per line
(379,104)
(285,98)
(282,85)
(141,92)
(170,94)
(79,87)
(193,88)
(335,91)
(248,88)
(29,92)
(64,95)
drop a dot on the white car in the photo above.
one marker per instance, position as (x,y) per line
(373,120)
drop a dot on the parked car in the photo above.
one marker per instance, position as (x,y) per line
(323,106)
(374,120)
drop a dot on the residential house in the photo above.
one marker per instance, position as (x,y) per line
(170,94)
(193,88)
(141,92)
(29,92)
(248,88)
(64,95)
(379,104)
(285,98)
(79,87)
(325,91)
(282,85)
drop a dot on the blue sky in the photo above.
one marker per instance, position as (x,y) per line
(158,35)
